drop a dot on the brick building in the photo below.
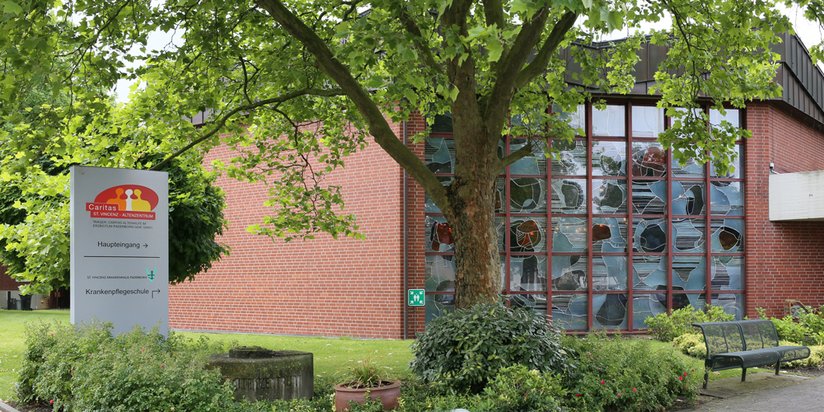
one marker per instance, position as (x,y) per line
(608,233)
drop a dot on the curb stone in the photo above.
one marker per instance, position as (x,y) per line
(4,407)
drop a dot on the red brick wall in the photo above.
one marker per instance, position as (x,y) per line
(415,224)
(783,259)
(6,282)
(327,287)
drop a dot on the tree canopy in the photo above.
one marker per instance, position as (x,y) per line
(41,138)
(295,86)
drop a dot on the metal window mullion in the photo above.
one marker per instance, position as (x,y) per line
(507,220)
(708,224)
(668,218)
(628,173)
(549,233)
(742,150)
(590,286)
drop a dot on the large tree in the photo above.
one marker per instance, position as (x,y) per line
(43,133)
(296,85)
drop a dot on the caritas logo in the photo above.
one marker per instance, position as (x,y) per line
(124,202)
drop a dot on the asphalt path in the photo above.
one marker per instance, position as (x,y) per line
(764,392)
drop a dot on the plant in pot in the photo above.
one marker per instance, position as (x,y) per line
(366,382)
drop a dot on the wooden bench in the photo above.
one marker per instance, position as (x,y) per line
(745,344)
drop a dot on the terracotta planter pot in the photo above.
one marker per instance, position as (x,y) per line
(387,394)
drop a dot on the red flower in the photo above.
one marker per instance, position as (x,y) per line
(602,382)
(680,378)
(685,374)
(578,395)
(634,390)
(51,401)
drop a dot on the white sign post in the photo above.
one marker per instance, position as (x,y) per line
(120,248)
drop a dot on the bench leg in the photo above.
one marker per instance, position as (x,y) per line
(743,374)
(777,366)
(706,377)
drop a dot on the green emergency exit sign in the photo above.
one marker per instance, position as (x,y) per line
(415,297)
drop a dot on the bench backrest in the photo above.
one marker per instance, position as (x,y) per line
(736,336)
(722,337)
(759,334)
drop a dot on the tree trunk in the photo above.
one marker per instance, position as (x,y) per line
(472,210)
(478,268)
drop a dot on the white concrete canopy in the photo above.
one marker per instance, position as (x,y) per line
(797,196)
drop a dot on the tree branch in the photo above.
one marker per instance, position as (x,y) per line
(538,64)
(494,13)
(513,157)
(457,12)
(417,37)
(378,126)
(245,108)
(506,70)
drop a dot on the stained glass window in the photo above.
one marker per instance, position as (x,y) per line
(607,231)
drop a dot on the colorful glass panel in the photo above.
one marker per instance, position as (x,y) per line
(649,159)
(609,273)
(609,311)
(527,273)
(609,158)
(569,312)
(569,234)
(570,158)
(569,272)
(609,196)
(569,196)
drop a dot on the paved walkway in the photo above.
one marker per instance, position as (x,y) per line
(764,392)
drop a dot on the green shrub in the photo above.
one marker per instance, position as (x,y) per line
(807,328)
(667,327)
(465,348)
(85,368)
(691,344)
(53,352)
(628,375)
(444,403)
(40,338)
(790,330)
(144,371)
(517,388)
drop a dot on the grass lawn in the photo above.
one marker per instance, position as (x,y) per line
(332,356)
(13,342)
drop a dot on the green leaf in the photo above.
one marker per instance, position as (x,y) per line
(11,7)
(494,48)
